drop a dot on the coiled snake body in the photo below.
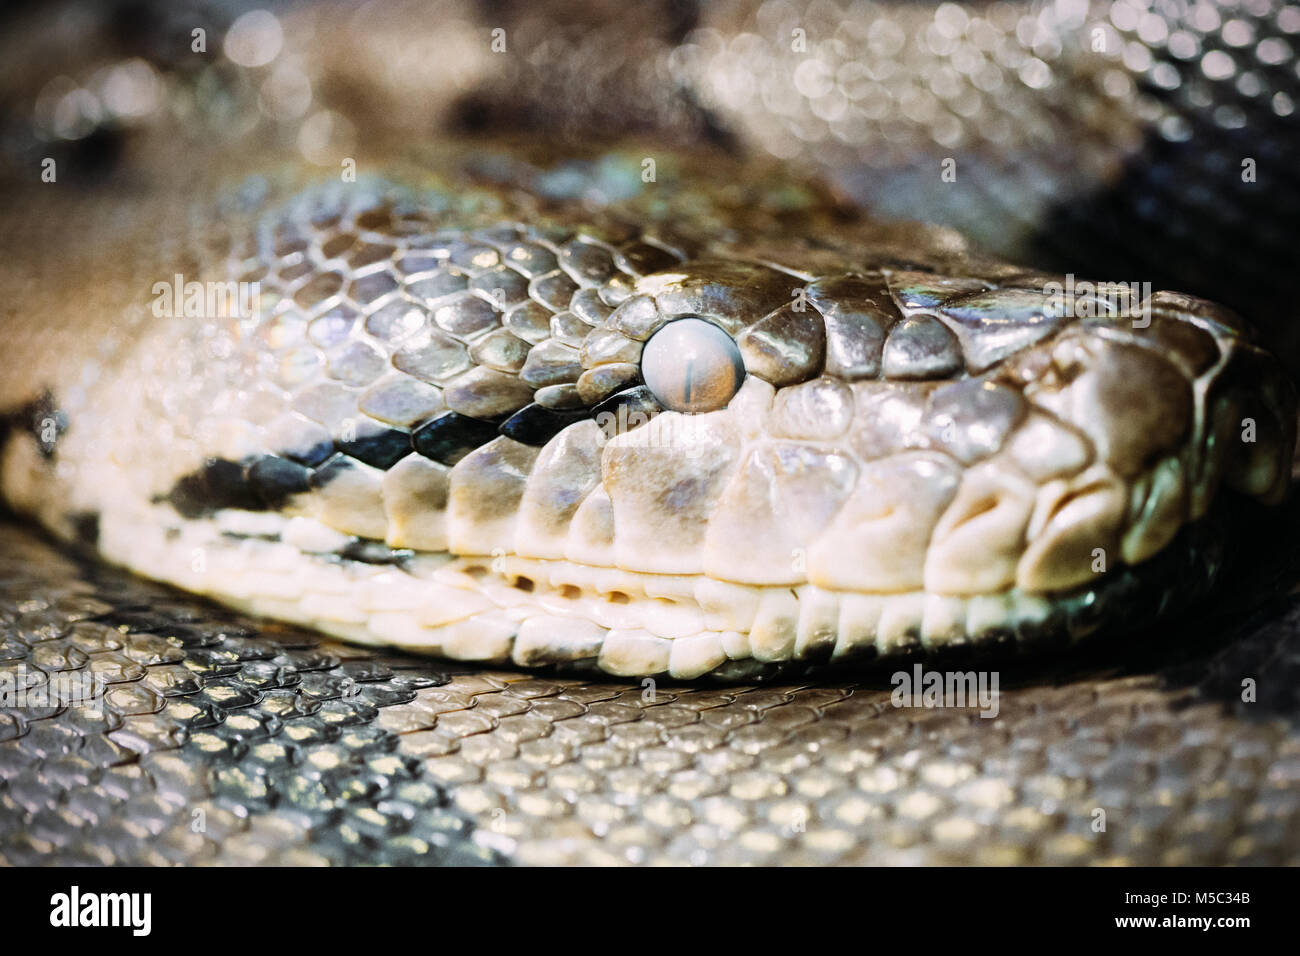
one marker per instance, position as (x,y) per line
(470,400)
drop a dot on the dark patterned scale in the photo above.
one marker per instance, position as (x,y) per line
(173,733)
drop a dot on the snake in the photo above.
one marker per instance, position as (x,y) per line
(681,399)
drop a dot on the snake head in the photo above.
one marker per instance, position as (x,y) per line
(964,450)
(593,443)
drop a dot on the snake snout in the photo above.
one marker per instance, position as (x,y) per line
(921,434)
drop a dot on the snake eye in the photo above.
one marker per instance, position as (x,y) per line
(692,366)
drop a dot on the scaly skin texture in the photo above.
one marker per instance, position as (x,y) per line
(425,426)
(296,750)
(260,726)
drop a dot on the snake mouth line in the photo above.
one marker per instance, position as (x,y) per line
(547,613)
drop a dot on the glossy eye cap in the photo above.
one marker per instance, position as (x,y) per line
(692,366)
